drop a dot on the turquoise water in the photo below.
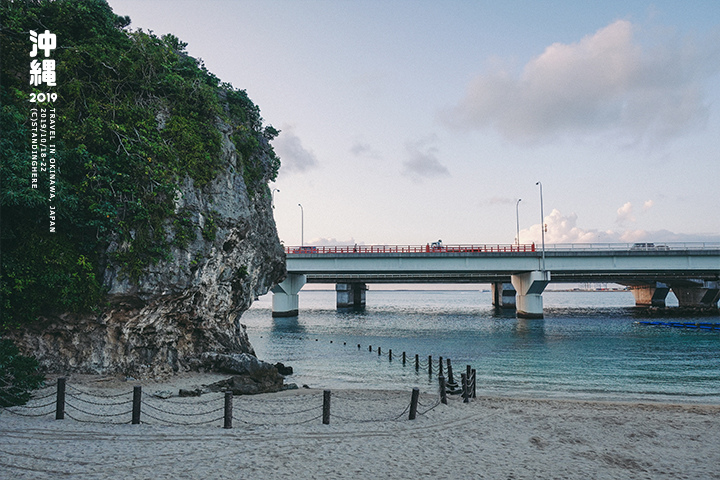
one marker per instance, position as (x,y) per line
(589,346)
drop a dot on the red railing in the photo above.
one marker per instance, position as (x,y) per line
(341,249)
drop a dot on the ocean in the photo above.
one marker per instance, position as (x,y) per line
(589,346)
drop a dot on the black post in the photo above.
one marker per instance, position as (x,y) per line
(414,403)
(379,351)
(417,362)
(443,390)
(404,358)
(228,409)
(390,354)
(429,364)
(465,393)
(474,383)
(369,348)
(326,407)
(137,397)
(60,402)
(440,366)
(450,373)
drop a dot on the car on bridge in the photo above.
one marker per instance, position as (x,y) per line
(648,246)
(305,250)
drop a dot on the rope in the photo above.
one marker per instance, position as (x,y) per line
(279,413)
(204,422)
(70,395)
(95,421)
(70,387)
(95,414)
(182,414)
(12,412)
(284,423)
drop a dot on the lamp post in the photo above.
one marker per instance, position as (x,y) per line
(273,196)
(302,225)
(517,217)
(542,225)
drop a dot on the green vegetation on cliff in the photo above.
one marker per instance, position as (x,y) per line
(136,116)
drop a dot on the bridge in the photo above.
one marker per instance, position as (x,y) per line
(518,274)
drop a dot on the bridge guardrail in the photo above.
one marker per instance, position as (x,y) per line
(500,248)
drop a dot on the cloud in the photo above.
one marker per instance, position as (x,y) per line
(625,214)
(563,229)
(332,242)
(648,205)
(422,161)
(607,83)
(294,156)
(363,149)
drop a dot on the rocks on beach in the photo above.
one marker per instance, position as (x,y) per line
(250,375)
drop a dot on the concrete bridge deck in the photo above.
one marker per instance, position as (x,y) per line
(517,271)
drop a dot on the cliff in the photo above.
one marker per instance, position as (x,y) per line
(182,307)
(161,232)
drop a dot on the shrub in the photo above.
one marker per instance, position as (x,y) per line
(19,375)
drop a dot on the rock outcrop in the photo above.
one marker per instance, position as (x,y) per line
(186,305)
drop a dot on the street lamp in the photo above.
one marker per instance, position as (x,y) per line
(517,217)
(273,196)
(302,225)
(542,225)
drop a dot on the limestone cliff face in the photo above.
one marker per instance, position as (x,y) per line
(186,305)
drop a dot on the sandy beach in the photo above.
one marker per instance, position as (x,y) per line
(278,436)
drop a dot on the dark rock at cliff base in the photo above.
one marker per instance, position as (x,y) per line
(253,376)
(284,370)
(236,363)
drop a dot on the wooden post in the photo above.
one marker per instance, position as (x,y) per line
(450,373)
(417,362)
(474,383)
(404,358)
(326,407)
(440,366)
(414,403)
(390,354)
(443,390)
(228,409)
(379,351)
(429,364)
(369,348)
(60,402)
(137,398)
(465,393)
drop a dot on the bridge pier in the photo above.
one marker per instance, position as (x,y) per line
(651,295)
(350,295)
(503,295)
(529,287)
(285,301)
(704,294)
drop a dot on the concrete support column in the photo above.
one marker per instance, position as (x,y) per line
(285,301)
(703,295)
(529,287)
(652,295)
(351,295)
(503,295)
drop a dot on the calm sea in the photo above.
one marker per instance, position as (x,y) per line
(588,346)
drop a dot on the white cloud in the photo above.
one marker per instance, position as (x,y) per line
(293,155)
(423,161)
(563,229)
(607,83)
(648,205)
(625,214)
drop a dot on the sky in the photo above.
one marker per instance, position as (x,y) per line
(405,122)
